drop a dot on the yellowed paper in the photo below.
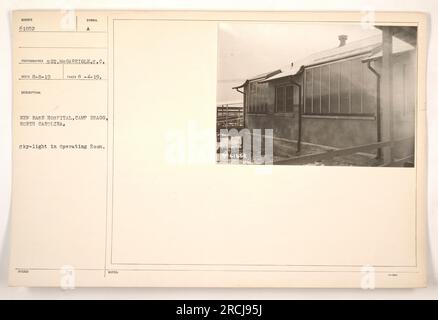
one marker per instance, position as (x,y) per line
(116,180)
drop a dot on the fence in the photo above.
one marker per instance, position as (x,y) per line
(229,115)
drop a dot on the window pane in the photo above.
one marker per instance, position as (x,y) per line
(265,87)
(316,90)
(280,99)
(308,92)
(334,88)
(356,86)
(296,98)
(345,86)
(325,89)
(248,99)
(369,94)
(252,94)
(258,98)
(289,99)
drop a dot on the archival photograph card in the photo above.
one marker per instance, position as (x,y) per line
(218,149)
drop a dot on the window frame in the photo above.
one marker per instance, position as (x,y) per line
(334,109)
(284,88)
(256,100)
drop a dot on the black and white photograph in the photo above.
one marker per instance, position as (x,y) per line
(325,94)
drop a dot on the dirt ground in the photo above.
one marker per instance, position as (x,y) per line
(350,160)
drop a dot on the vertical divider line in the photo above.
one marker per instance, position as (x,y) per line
(112,149)
(107,152)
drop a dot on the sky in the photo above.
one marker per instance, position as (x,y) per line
(250,48)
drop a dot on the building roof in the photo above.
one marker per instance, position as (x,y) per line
(261,76)
(369,48)
(398,46)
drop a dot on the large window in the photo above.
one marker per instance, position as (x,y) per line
(257,98)
(286,98)
(341,88)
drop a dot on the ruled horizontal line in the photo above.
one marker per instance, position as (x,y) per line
(23,47)
(62,63)
(63,79)
(64,31)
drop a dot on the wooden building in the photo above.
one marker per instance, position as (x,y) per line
(356,94)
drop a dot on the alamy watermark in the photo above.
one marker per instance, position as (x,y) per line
(195,145)
(246,146)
